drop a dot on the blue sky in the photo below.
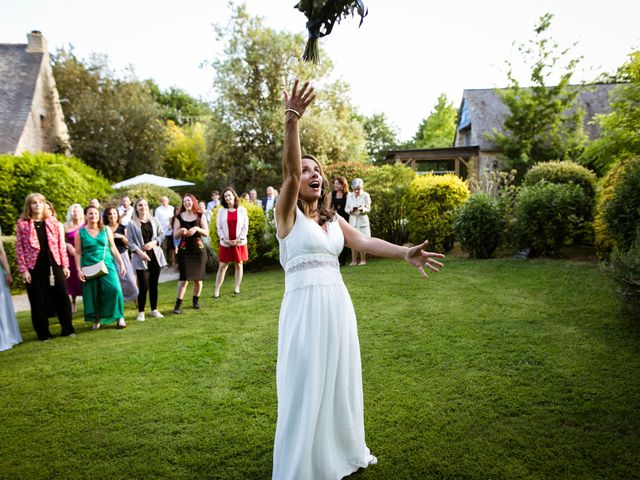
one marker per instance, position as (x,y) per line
(406,53)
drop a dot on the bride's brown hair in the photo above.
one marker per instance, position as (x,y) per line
(325,212)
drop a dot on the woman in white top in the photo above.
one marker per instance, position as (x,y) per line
(232,223)
(320,428)
(358,206)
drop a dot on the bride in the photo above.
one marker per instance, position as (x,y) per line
(320,427)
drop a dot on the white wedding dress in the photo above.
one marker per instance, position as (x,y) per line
(320,428)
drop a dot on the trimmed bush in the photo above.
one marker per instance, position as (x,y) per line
(148,191)
(570,172)
(547,216)
(480,225)
(255,235)
(618,213)
(625,267)
(431,205)
(388,186)
(62,180)
(563,172)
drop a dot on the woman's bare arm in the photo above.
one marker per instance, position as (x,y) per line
(295,105)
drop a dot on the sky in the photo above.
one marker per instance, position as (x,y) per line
(405,54)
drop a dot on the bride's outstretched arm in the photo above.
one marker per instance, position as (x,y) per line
(415,256)
(295,106)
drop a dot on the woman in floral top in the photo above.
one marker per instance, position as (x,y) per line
(189,226)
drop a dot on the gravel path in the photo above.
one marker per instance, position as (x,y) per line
(21,302)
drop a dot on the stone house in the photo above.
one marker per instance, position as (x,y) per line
(481,111)
(31,117)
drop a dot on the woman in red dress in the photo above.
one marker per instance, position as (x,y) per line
(232,224)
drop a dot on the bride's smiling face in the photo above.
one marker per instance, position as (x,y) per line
(310,181)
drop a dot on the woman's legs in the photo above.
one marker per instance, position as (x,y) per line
(182,288)
(222,271)
(143,287)
(238,277)
(363,258)
(154,276)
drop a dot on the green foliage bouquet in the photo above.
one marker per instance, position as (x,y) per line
(322,15)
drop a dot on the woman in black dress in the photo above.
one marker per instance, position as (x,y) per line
(338,203)
(189,228)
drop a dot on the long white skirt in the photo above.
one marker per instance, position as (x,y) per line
(320,428)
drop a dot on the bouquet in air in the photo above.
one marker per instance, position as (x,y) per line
(322,15)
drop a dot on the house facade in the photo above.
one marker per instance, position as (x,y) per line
(481,113)
(31,118)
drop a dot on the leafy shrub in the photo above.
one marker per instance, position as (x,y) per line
(9,244)
(479,225)
(431,204)
(255,235)
(618,213)
(388,186)
(148,191)
(547,216)
(567,172)
(62,180)
(625,266)
(626,270)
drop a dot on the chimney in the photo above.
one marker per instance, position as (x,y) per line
(37,42)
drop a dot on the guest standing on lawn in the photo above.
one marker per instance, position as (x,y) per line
(338,203)
(44,265)
(232,224)
(128,283)
(190,228)
(145,244)
(320,427)
(358,207)
(75,220)
(9,330)
(102,296)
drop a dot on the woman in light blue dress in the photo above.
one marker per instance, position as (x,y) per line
(9,330)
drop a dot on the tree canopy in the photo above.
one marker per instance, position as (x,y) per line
(544,122)
(246,132)
(439,128)
(620,137)
(114,125)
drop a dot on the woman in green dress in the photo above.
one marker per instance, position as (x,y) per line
(102,297)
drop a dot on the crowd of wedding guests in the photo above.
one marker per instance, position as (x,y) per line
(112,255)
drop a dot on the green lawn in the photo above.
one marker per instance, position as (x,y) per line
(491,369)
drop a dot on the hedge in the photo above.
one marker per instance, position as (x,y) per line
(151,193)
(9,244)
(625,267)
(62,180)
(548,216)
(431,206)
(618,212)
(480,225)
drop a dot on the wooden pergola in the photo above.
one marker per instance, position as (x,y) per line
(463,161)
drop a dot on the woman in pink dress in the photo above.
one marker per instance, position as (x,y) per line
(75,220)
(232,223)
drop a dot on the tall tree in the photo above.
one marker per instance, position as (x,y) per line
(439,128)
(114,124)
(178,106)
(544,122)
(381,136)
(245,135)
(620,137)
(186,151)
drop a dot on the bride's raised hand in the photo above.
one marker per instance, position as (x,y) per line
(298,101)
(420,258)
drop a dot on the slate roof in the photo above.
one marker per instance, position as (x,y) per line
(18,75)
(486,111)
